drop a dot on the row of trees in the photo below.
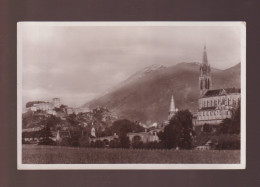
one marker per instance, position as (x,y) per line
(177,134)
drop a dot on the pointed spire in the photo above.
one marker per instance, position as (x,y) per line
(173,110)
(172,106)
(205,57)
(58,135)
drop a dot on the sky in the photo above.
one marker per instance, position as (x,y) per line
(80,63)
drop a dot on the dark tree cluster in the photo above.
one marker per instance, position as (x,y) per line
(231,126)
(228,134)
(207,128)
(179,132)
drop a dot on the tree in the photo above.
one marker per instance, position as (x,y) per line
(45,133)
(114,143)
(232,125)
(72,119)
(179,131)
(124,141)
(63,106)
(236,118)
(122,127)
(52,121)
(207,128)
(227,141)
(125,126)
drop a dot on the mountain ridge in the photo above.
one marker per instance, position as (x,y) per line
(147,98)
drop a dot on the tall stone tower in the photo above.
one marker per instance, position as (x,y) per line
(172,110)
(205,75)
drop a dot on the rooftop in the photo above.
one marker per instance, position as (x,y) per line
(218,92)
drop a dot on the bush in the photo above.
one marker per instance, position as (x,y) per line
(64,142)
(84,141)
(207,128)
(227,142)
(99,144)
(137,144)
(124,141)
(46,141)
(114,144)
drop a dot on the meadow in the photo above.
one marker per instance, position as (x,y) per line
(41,154)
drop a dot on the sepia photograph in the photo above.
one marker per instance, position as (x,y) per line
(131,95)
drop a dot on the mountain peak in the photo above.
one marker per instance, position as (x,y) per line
(146,94)
(145,71)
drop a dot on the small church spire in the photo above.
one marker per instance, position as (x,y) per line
(172,106)
(205,57)
(172,110)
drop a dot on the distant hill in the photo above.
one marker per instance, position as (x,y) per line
(146,94)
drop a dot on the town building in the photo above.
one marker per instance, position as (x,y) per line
(214,105)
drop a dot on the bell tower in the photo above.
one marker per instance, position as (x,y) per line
(205,75)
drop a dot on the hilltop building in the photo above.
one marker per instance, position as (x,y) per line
(214,105)
(46,106)
(56,102)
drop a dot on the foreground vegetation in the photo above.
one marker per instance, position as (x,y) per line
(39,154)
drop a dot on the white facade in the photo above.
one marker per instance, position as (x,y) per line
(42,106)
(217,105)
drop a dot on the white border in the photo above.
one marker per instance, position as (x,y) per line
(21,166)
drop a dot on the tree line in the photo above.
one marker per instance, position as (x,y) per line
(178,134)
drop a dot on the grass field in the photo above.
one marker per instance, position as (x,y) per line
(36,154)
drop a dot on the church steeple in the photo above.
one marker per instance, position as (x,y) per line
(172,106)
(172,110)
(205,57)
(205,74)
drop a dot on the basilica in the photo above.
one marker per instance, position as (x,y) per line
(214,105)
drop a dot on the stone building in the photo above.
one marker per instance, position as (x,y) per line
(214,105)
(56,102)
(44,106)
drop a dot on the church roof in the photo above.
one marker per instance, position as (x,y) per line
(218,92)
(207,108)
